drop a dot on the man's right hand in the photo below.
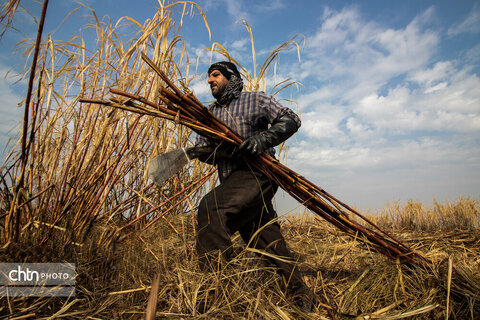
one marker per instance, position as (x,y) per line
(211,154)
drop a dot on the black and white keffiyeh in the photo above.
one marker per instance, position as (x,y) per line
(232,90)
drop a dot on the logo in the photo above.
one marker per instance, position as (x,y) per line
(19,274)
(37,279)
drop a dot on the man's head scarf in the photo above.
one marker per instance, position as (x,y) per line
(234,86)
(226,68)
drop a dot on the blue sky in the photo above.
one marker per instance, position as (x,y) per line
(390,95)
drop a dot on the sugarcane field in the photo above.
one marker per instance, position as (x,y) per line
(146,173)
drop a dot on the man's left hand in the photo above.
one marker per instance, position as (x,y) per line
(252,146)
(278,132)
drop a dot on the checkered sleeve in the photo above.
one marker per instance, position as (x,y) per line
(201,141)
(274,110)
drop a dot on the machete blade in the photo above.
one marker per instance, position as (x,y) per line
(165,165)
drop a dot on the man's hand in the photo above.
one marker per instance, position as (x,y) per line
(253,146)
(280,131)
(211,154)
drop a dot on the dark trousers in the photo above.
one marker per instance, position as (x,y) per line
(243,202)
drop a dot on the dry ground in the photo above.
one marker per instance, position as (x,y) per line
(349,280)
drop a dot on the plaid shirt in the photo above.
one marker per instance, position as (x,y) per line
(248,115)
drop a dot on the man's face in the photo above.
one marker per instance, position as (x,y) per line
(217,82)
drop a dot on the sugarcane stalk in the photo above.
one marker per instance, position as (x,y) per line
(201,180)
(200,183)
(334,200)
(301,186)
(186,109)
(224,134)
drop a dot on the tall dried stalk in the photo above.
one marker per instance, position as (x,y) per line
(84,163)
(9,8)
(257,79)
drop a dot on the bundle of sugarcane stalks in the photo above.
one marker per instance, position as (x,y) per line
(185,108)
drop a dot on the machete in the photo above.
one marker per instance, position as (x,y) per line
(166,165)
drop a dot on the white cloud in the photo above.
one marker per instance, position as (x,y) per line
(471,24)
(310,100)
(441,97)
(436,105)
(383,157)
(472,56)
(439,72)
(364,55)
(319,125)
(200,89)
(240,44)
(371,176)
(270,5)
(440,86)
(361,131)
(384,114)
(234,9)
(238,10)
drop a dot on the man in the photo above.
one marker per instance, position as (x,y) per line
(243,199)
